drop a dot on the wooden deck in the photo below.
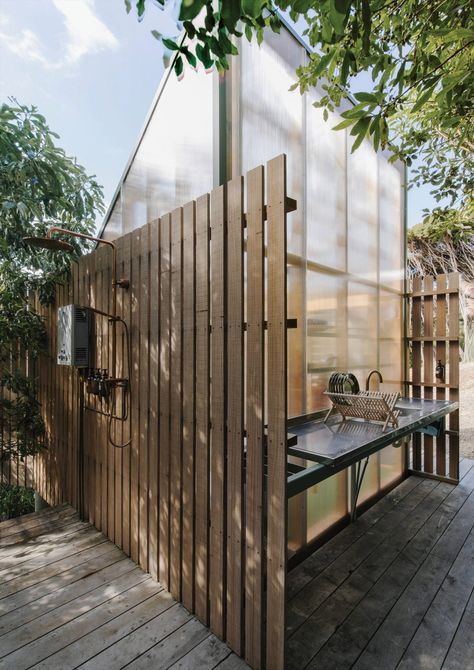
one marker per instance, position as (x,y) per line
(393,590)
(70,598)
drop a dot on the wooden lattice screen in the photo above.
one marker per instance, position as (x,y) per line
(433,311)
(199,498)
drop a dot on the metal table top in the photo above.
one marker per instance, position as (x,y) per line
(337,442)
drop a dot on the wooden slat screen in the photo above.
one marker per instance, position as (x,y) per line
(199,497)
(434,336)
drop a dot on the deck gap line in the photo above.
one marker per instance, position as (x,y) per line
(81,614)
(457,628)
(358,537)
(56,560)
(166,637)
(382,539)
(46,578)
(413,577)
(174,603)
(120,558)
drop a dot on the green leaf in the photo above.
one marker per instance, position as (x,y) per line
(190,9)
(248,33)
(363,127)
(422,99)
(156,34)
(230,13)
(366,97)
(140,9)
(190,57)
(252,8)
(178,66)
(367,24)
(169,44)
(337,18)
(226,44)
(344,124)
(128,6)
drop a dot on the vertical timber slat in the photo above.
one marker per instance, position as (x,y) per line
(235,414)
(176,406)
(202,409)
(218,442)
(165,312)
(189,380)
(428,367)
(453,279)
(254,553)
(276,510)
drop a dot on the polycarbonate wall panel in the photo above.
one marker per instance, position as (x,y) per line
(272,123)
(326,172)
(349,205)
(175,158)
(362,212)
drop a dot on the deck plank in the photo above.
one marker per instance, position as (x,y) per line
(79,601)
(389,609)
(460,654)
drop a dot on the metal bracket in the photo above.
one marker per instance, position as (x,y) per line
(357,476)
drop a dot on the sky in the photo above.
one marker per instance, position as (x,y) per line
(92,71)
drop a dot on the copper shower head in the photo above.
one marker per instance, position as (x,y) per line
(49,243)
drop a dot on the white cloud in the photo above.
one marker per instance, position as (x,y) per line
(85,34)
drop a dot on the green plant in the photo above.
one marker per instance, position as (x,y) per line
(15,500)
(40,186)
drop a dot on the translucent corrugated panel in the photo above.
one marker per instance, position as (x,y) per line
(391,256)
(325,190)
(362,212)
(174,162)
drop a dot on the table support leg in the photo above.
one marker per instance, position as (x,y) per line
(357,477)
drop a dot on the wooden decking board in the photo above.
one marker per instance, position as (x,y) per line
(104,612)
(53,633)
(33,569)
(31,545)
(15,565)
(431,642)
(331,614)
(317,562)
(462,644)
(34,519)
(134,644)
(84,651)
(102,570)
(24,535)
(204,656)
(314,594)
(401,617)
(172,648)
(396,632)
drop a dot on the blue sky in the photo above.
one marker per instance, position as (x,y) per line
(92,71)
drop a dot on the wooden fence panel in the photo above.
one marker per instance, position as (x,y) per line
(199,496)
(434,338)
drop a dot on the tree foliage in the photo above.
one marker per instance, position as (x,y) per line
(40,186)
(420,56)
(444,243)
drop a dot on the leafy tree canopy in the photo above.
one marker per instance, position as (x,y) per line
(40,186)
(420,56)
